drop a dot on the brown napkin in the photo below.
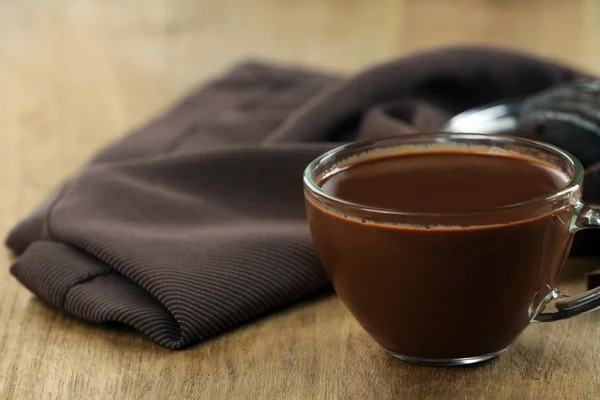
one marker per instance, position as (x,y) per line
(195,222)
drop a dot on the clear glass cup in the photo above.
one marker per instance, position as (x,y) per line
(505,260)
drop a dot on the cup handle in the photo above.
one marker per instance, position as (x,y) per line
(557,306)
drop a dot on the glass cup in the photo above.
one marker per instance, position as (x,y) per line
(450,288)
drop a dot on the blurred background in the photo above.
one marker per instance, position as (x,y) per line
(75,74)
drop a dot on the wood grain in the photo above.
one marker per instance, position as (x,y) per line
(74,75)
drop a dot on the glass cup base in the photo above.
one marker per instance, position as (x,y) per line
(446,362)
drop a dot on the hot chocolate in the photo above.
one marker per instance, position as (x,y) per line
(453,287)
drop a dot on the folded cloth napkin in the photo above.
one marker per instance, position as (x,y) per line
(195,222)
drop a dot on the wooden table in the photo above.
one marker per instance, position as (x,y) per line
(76,74)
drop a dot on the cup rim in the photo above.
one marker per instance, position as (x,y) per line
(573,184)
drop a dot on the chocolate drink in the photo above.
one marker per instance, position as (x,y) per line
(455,287)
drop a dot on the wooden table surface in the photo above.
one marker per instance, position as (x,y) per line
(76,74)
